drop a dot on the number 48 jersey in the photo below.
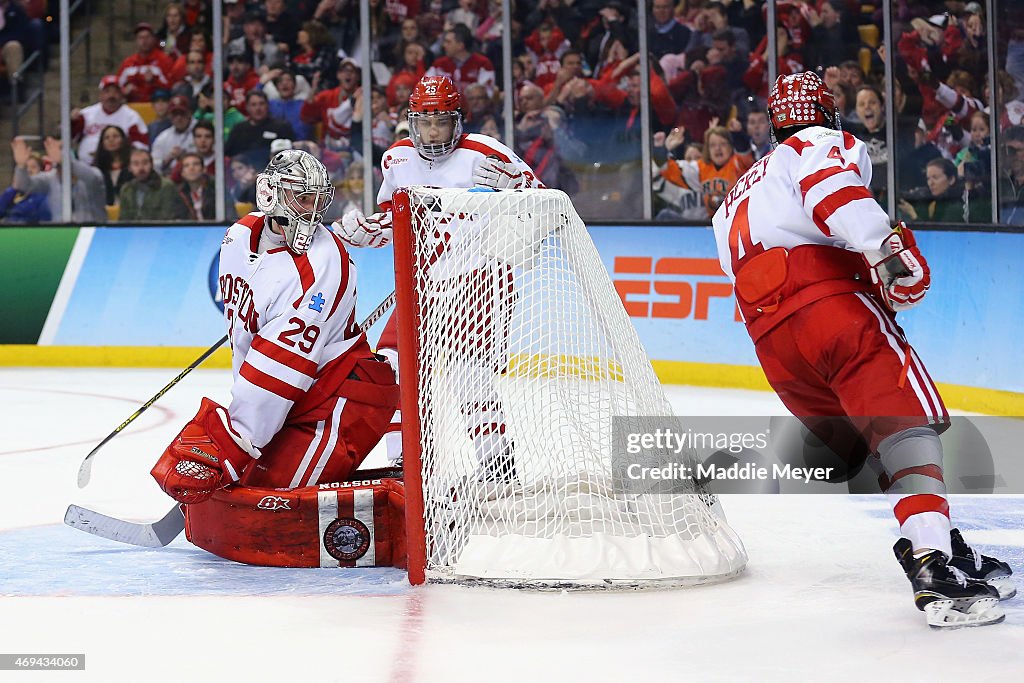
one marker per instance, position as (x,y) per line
(290,319)
(812,189)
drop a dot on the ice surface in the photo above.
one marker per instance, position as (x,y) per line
(822,598)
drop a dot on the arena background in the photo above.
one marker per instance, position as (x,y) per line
(137,293)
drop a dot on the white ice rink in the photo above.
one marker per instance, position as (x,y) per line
(822,599)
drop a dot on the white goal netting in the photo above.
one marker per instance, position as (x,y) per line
(525,356)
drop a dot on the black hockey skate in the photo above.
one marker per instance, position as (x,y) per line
(946,596)
(978,567)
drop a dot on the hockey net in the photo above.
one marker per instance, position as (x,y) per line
(516,354)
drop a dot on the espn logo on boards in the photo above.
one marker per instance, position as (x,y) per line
(692,296)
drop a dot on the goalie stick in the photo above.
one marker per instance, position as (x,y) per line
(152,535)
(85,469)
(161,532)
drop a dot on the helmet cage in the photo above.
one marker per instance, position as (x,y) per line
(296,191)
(435,150)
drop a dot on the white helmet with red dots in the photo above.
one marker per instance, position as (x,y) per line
(800,100)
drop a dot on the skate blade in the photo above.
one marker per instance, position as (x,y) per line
(1005,585)
(943,614)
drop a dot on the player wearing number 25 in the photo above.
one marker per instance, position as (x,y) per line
(439,154)
(309,398)
(819,274)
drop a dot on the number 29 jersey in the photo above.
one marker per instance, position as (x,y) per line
(290,320)
(812,189)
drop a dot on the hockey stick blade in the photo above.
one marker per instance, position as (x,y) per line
(153,535)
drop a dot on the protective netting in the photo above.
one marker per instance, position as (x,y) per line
(525,356)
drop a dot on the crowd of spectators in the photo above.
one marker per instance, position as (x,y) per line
(22,34)
(291,78)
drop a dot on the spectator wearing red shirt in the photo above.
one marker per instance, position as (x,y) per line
(198,13)
(571,67)
(461,65)
(149,69)
(334,108)
(714,102)
(398,10)
(409,73)
(546,45)
(618,90)
(791,62)
(241,79)
(196,44)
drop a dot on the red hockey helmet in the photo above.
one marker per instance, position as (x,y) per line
(434,102)
(802,100)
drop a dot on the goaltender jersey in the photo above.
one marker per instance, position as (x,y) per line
(294,338)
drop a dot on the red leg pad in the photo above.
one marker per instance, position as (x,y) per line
(348,524)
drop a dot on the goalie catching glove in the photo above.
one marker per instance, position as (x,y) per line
(500,175)
(207,455)
(364,231)
(900,270)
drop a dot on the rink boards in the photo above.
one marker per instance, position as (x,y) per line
(76,292)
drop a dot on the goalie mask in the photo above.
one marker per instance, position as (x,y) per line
(801,100)
(435,117)
(295,191)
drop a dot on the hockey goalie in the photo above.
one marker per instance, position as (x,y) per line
(265,480)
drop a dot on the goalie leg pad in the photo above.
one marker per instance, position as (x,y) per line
(341,524)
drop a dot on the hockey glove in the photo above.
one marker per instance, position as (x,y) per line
(206,455)
(501,175)
(900,270)
(364,231)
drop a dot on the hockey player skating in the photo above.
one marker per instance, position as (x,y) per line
(439,154)
(309,399)
(819,274)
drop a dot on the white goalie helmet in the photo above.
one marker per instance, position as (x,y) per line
(295,190)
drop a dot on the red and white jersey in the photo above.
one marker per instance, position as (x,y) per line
(146,74)
(290,319)
(95,118)
(402,166)
(475,69)
(812,189)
